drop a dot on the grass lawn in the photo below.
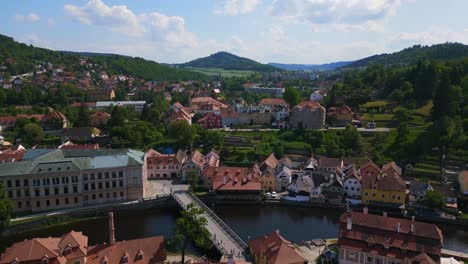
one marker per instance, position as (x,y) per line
(374,104)
(425,110)
(223,72)
(378,117)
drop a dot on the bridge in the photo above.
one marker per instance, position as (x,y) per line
(223,238)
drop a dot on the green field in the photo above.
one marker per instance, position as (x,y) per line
(223,72)
(425,110)
(374,104)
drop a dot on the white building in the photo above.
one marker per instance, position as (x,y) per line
(318,95)
(352,186)
(136,105)
(283,178)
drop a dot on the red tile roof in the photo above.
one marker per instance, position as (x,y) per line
(232,178)
(387,236)
(275,249)
(155,158)
(151,249)
(309,104)
(391,169)
(273,101)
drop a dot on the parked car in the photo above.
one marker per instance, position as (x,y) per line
(274,195)
(268,194)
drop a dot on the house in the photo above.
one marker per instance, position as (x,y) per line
(179,112)
(283,177)
(198,103)
(463,182)
(332,190)
(391,169)
(330,164)
(137,106)
(340,116)
(230,117)
(50,121)
(274,249)
(300,188)
(99,118)
(164,166)
(101,94)
(308,115)
(210,120)
(418,190)
(79,133)
(370,169)
(12,154)
(318,95)
(450,194)
(352,185)
(383,190)
(270,162)
(73,248)
(234,183)
(367,238)
(196,162)
(268,179)
(270,91)
(71,145)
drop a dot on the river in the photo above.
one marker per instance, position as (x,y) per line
(294,223)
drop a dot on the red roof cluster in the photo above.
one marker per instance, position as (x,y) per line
(275,249)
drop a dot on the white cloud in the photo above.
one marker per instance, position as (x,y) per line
(31,17)
(340,15)
(430,36)
(165,30)
(237,7)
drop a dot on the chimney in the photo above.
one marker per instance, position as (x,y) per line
(385,214)
(224,180)
(412,218)
(111,229)
(349,223)
(398,227)
(412,228)
(366,210)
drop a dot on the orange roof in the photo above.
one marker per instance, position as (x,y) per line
(309,104)
(391,169)
(232,178)
(151,249)
(273,101)
(276,249)
(229,113)
(270,162)
(384,183)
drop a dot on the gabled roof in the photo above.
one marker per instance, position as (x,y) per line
(270,162)
(273,102)
(276,249)
(391,168)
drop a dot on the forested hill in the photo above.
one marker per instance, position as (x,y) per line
(446,51)
(27,57)
(228,61)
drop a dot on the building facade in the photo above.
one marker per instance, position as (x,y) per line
(52,179)
(308,115)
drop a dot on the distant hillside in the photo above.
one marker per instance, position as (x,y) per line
(228,61)
(411,55)
(311,67)
(89,54)
(27,57)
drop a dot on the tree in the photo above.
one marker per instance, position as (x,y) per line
(192,226)
(119,116)
(351,140)
(183,133)
(401,114)
(83,118)
(435,200)
(292,96)
(6,209)
(33,134)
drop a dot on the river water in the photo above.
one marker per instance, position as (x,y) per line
(294,223)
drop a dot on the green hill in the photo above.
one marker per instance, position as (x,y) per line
(228,61)
(28,56)
(446,51)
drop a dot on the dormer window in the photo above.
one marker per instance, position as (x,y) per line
(139,255)
(125,259)
(67,250)
(45,260)
(16,261)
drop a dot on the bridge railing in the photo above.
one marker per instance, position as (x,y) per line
(220,222)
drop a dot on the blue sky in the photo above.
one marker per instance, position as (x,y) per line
(288,31)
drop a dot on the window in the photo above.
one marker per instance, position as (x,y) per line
(18,193)
(25,183)
(107,195)
(65,189)
(107,174)
(93,197)
(366,193)
(107,184)
(75,200)
(56,190)
(93,186)
(28,204)
(47,192)
(114,195)
(86,187)
(352,188)
(17,183)
(100,185)
(125,259)
(114,175)
(47,202)
(75,189)
(140,256)
(383,195)
(38,203)
(120,174)
(20,204)
(85,177)
(100,195)
(370,259)
(120,183)
(57,201)
(26,192)
(37,192)
(121,194)
(9,183)
(99,176)
(92,177)
(114,184)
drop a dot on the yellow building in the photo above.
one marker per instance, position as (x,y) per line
(268,179)
(463,181)
(383,189)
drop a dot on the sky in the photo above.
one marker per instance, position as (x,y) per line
(284,31)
